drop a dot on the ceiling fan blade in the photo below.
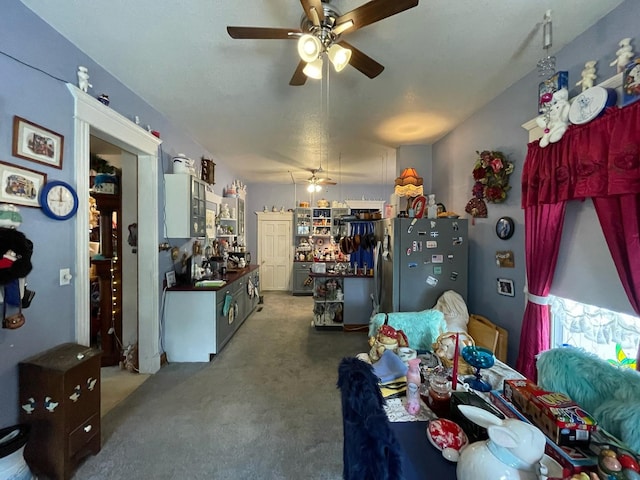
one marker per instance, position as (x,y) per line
(299,78)
(316,5)
(374,11)
(264,33)
(362,61)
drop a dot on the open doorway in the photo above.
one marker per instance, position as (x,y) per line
(92,118)
(113,279)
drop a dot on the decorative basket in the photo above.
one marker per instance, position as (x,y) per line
(444,346)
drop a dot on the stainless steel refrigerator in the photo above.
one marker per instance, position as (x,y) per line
(417,260)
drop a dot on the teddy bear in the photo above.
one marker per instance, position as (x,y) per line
(555,120)
(388,338)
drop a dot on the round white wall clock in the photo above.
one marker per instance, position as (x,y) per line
(58,200)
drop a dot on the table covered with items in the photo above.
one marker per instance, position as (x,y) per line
(443,407)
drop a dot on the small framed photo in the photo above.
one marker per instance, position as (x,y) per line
(20,186)
(505,228)
(36,143)
(505,287)
(552,85)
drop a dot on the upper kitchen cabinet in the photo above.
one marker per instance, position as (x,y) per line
(185,206)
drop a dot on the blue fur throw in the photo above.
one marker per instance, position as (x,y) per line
(371,450)
(421,328)
(611,394)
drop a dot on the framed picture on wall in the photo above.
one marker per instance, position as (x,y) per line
(208,173)
(36,143)
(505,287)
(20,186)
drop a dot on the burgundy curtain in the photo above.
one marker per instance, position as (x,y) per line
(600,160)
(543,230)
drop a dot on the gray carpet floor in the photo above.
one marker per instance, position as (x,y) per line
(266,407)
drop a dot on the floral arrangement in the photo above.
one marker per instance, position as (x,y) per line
(491,175)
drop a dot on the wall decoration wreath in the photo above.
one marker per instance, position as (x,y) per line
(491,175)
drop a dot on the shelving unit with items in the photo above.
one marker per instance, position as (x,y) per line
(321,222)
(328,301)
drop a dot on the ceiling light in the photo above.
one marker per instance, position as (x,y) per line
(311,188)
(313,69)
(309,47)
(339,56)
(318,188)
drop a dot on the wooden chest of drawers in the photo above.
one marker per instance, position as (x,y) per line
(60,400)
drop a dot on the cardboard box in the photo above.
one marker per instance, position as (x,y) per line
(559,417)
(572,459)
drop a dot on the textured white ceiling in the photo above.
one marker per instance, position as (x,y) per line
(443,60)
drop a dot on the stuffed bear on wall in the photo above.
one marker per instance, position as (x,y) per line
(556,121)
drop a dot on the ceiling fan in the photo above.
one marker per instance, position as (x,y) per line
(321,28)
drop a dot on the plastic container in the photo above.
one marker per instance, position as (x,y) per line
(413,387)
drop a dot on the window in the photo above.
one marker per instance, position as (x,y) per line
(610,335)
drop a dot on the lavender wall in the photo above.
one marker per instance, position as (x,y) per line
(584,271)
(45,100)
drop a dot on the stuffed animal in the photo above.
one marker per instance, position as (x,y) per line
(555,120)
(387,338)
(588,75)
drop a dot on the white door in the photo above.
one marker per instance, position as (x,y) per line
(275,250)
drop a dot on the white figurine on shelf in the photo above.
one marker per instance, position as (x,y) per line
(555,120)
(588,75)
(83,79)
(623,55)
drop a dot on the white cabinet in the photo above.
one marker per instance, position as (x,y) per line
(185,206)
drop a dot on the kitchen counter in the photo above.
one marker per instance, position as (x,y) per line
(230,277)
(200,321)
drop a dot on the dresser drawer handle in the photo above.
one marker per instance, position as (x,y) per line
(87,428)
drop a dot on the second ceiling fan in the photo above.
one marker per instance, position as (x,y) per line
(320,34)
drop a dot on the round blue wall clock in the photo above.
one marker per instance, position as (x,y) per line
(58,200)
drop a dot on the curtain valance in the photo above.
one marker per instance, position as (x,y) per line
(600,158)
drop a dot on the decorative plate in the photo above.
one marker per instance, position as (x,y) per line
(590,104)
(443,433)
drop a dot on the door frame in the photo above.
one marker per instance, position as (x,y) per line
(92,117)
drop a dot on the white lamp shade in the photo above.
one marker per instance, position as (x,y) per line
(309,47)
(339,56)
(313,69)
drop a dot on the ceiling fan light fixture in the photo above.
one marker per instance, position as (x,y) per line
(313,69)
(339,56)
(309,47)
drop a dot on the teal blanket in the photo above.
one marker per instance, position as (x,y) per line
(421,328)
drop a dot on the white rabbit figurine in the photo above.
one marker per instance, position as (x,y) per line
(513,452)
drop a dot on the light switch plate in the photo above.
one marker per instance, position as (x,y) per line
(65,276)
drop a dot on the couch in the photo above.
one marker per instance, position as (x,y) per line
(610,394)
